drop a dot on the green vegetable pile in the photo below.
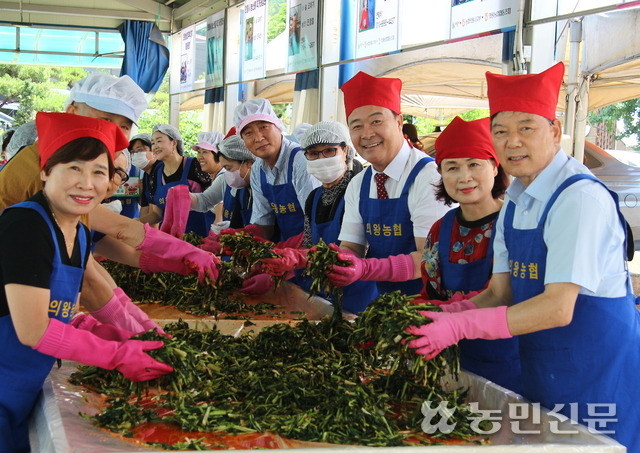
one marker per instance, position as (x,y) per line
(186,293)
(337,382)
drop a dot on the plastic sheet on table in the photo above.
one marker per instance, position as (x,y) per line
(60,429)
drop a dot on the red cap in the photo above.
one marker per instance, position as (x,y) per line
(363,89)
(57,129)
(231,132)
(528,93)
(465,139)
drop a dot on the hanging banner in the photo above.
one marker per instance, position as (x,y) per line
(255,39)
(187,60)
(377,27)
(215,50)
(302,53)
(473,17)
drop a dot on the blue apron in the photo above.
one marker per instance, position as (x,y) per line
(389,228)
(230,203)
(284,202)
(23,369)
(356,296)
(594,359)
(496,360)
(198,222)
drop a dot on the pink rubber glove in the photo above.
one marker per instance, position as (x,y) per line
(177,210)
(456,307)
(288,260)
(398,268)
(64,341)
(449,328)
(459,302)
(167,218)
(114,313)
(294,242)
(252,229)
(211,244)
(135,311)
(164,253)
(258,284)
(104,331)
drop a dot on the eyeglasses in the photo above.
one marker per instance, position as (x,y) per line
(327,152)
(122,174)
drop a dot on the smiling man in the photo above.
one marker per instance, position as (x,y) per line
(559,281)
(279,178)
(391,206)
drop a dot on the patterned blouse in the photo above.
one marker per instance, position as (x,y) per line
(469,242)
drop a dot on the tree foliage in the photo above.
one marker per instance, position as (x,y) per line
(36,88)
(627,111)
(277,21)
(426,125)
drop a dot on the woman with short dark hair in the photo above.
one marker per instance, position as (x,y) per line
(44,250)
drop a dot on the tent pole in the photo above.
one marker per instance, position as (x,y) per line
(573,96)
(582,111)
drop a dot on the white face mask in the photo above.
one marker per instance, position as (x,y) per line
(328,169)
(234,179)
(140,160)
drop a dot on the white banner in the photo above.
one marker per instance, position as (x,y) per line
(255,39)
(215,50)
(302,48)
(377,27)
(473,17)
(187,60)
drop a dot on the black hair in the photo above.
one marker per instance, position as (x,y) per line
(495,114)
(83,148)
(410,131)
(6,138)
(500,184)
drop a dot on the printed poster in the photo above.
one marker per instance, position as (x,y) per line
(215,50)
(473,17)
(302,45)
(377,28)
(187,58)
(255,39)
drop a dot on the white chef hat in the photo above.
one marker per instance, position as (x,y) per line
(299,131)
(258,109)
(209,140)
(118,95)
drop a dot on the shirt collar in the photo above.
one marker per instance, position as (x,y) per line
(396,167)
(539,188)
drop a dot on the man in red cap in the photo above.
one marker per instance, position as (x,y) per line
(559,276)
(391,206)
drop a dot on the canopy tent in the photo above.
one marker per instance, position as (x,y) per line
(611,57)
(449,76)
(438,107)
(453,74)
